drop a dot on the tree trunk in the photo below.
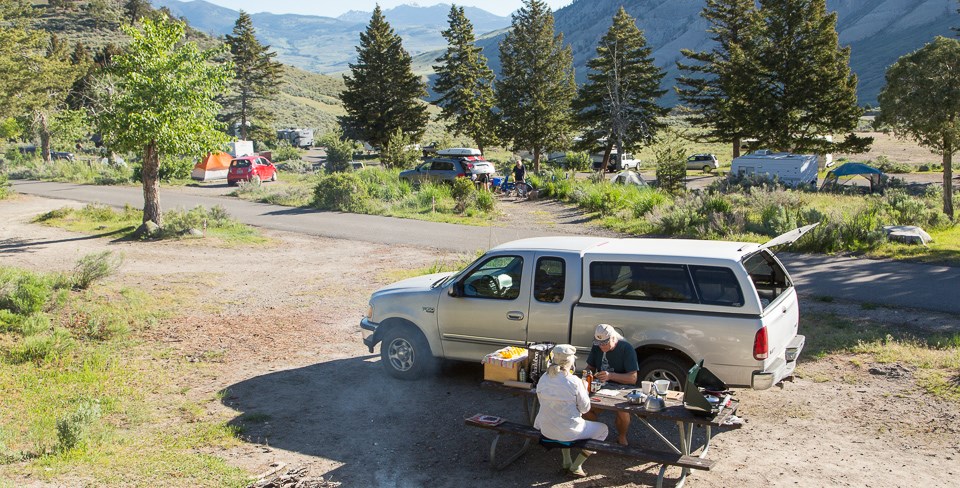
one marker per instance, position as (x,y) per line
(536,159)
(736,147)
(606,157)
(243,118)
(151,185)
(948,180)
(44,136)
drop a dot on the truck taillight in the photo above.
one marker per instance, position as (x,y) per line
(760,345)
(469,166)
(461,175)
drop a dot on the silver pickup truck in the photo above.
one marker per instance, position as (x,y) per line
(731,304)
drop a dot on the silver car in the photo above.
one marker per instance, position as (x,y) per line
(704,162)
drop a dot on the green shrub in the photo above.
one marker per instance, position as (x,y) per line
(94,267)
(72,429)
(400,152)
(34,324)
(345,192)
(42,347)
(683,218)
(646,200)
(4,186)
(29,295)
(464,193)
(485,201)
(384,184)
(297,165)
(884,164)
(285,152)
(578,161)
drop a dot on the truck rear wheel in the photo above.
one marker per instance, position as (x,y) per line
(405,354)
(665,367)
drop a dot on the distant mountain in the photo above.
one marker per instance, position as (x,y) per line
(326,44)
(877,31)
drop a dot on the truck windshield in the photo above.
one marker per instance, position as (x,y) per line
(768,277)
(454,276)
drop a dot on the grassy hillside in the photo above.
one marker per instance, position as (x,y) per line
(306,99)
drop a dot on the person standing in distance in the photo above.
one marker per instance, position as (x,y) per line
(519,177)
(613,359)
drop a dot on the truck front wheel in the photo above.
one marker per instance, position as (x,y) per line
(665,367)
(405,354)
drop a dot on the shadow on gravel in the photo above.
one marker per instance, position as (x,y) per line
(14,245)
(387,432)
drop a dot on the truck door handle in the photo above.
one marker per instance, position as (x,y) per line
(515,315)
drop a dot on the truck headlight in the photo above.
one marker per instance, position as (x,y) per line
(370,312)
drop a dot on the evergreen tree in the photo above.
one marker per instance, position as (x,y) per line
(805,89)
(382,92)
(921,100)
(619,101)
(257,77)
(465,84)
(717,85)
(536,85)
(135,10)
(162,102)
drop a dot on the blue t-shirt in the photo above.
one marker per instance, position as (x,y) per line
(621,359)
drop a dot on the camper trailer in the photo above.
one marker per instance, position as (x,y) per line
(296,137)
(791,169)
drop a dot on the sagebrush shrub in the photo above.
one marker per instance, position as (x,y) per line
(464,194)
(42,347)
(29,295)
(345,192)
(94,267)
(72,429)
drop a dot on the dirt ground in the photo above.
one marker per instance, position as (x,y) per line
(283,327)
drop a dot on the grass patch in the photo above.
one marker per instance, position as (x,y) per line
(935,359)
(439,266)
(84,399)
(214,226)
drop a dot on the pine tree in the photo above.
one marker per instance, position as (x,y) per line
(135,10)
(465,84)
(804,86)
(619,101)
(536,85)
(257,77)
(717,87)
(382,92)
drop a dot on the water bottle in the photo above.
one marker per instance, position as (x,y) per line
(523,375)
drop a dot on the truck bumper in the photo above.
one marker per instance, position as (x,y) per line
(781,368)
(368,330)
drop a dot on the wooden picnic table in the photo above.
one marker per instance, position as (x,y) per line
(686,455)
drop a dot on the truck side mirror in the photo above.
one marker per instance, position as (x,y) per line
(456,290)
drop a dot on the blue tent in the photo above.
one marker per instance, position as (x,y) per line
(873,175)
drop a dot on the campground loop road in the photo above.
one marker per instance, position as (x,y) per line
(885,283)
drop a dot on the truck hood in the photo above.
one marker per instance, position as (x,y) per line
(417,284)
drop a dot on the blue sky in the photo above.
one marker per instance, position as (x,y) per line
(333,8)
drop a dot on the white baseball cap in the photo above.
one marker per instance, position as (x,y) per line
(603,334)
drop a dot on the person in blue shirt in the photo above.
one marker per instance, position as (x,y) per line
(613,360)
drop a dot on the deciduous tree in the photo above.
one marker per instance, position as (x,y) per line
(257,77)
(716,87)
(619,101)
(162,102)
(921,100)
(134,10)
(805,89)
(536,84)
(465,83)
(382,92)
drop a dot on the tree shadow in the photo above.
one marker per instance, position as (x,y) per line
(15,245)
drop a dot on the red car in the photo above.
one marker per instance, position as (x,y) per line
(246,167)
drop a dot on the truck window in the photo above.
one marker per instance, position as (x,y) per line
(717,286)
(768,277)
(549,280)
(496,278)
(641,281)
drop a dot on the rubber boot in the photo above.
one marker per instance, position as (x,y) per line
(576,468)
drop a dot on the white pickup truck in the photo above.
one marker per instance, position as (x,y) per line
(731,304)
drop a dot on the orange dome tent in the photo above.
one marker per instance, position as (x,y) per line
(212,167)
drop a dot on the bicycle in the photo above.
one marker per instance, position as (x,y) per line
(509,188)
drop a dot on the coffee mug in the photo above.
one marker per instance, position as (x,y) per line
(662,386)
(646,387)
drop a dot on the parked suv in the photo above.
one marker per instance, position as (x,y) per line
(246,167)
(448,165)
(705,162)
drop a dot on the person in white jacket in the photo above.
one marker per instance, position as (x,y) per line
(563,399)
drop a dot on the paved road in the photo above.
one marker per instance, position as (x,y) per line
(898,284)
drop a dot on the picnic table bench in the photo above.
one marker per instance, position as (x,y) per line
(680,454)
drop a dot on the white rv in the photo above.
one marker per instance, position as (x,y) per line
(791,169)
